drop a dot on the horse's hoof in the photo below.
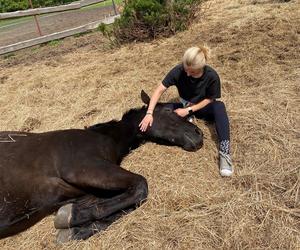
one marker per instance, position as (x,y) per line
(63,217)
(64,235)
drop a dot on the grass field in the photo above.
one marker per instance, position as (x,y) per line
(102,4)
(6,22)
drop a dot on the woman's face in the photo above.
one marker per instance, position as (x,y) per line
(196,73)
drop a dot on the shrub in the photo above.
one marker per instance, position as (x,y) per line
(148,19)
(9,5)
(14,5)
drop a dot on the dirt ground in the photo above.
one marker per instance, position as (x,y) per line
(82,81)
(51,23)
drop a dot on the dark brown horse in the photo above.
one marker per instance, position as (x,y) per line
(77,172)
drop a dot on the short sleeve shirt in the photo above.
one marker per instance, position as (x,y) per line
(194,89)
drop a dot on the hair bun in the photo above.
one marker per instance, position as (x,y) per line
(205,50)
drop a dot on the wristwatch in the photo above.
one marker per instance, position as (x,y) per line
(190,110)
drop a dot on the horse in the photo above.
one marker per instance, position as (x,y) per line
(76,173)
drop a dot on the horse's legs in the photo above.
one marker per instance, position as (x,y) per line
(133,190)
(85,231)
(80,233)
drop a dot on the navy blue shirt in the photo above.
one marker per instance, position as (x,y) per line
(193,89)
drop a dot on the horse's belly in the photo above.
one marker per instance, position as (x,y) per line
(12,205)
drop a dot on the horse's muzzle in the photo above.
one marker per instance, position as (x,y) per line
(193,141)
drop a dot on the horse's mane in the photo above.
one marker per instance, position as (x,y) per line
(128,115)
(100,126)
(133,113)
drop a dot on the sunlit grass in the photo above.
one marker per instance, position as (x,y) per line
(6,22)
(102,4)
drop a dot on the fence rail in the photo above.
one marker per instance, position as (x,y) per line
(54,36)
(55,33)
(38,11)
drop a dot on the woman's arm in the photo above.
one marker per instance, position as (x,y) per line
(201,104)
(148,119)
(185,111)
(155,97)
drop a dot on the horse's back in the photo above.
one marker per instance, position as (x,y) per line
(23,150)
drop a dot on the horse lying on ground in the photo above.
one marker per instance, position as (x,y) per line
(77,172)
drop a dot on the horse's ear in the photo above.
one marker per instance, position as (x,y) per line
(145,98)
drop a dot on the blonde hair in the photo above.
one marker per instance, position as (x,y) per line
(196,57)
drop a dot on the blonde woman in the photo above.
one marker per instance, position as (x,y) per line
(198,86)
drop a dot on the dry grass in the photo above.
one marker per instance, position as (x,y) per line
(256,51)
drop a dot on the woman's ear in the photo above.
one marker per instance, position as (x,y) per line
(145,98)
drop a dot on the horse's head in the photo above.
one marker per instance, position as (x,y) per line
(172,129)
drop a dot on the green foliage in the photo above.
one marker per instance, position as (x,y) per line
(147,19)
(45,3)
(9,55)
(10,5)
(14,5)
(54,43)
(107,31)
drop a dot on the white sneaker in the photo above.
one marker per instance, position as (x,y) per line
(226,168)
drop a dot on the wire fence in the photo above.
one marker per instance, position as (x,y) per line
(32,29)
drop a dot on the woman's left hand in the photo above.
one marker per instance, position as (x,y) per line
(181,112)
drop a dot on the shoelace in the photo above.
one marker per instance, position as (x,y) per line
(226,157)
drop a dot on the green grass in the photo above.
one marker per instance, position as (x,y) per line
(14,20)
(102,4)
(54,43)
(9,55)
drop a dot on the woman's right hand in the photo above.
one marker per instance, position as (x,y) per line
(148,118)
(147,121)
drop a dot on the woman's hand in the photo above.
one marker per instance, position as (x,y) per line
(181,112)
(147,121)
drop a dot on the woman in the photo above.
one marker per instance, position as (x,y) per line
(198,86)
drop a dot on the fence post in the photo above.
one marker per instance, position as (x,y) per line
(115,8)
(36,20)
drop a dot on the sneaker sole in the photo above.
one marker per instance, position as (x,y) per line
(226,172)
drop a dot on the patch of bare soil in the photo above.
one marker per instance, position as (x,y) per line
(255,49)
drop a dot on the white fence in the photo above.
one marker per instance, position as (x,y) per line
(55,35)
(38,11)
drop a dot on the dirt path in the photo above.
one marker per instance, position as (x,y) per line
(51,23)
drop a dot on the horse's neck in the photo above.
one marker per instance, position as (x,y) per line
(125,134)
(129,135)
(128,138)
(130,123)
